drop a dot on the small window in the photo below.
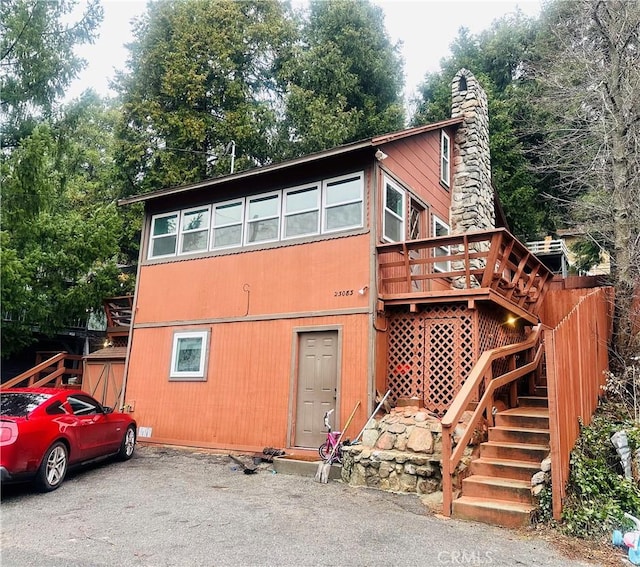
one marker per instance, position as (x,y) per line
(189,355)
(227,224)
(301,214)
(194,230)
(263,218)
(441,229)
(342,203)
(445,158)
(394,212)
(164,235)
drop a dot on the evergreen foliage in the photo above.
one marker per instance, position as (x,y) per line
(499,57)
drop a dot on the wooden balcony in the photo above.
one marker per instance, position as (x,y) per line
(478,266)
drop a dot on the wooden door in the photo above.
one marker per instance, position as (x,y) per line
(317,386)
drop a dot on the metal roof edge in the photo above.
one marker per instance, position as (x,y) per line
(391,137)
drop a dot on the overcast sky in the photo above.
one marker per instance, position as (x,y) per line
(425,27)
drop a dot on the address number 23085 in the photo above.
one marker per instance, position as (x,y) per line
(343,293)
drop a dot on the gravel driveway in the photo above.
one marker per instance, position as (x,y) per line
(170,507)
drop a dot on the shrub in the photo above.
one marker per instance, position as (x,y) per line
(598,493)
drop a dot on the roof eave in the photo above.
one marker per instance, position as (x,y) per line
(340,150)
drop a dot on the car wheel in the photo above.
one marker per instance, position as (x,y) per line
(53,467)
(128,444)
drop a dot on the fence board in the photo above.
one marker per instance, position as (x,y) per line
(577,358)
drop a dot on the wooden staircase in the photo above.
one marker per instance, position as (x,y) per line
(498,491)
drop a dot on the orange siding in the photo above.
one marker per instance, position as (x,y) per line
(244,404)
(416,161)
(577,357)
(291,279)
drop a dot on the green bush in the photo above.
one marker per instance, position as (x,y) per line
(598,493)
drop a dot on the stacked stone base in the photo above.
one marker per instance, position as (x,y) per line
(401,452)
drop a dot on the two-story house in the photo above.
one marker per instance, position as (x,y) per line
(266,297)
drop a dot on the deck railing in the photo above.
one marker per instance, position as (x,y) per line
(492,259)
(576,358)
(62,369)
(481,385)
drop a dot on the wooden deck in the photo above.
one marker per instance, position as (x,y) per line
(479,266)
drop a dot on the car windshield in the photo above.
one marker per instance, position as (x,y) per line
(20,404)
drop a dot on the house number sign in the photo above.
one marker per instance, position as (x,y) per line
(343,293)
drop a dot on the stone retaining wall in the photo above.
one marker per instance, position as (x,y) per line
(401,452)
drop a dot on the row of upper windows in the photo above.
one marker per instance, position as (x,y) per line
(317,208)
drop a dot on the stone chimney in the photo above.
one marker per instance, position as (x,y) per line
(472,203)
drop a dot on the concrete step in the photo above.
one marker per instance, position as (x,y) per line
(496,488)
(513,451)
(537,418)
(504,468)
(533,401)
(519,435)
(296,467)
(498,512)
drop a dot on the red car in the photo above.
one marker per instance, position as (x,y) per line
(44,431)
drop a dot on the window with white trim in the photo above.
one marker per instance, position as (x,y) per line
(263,218)
(320,207)
(227,224)
(189,355)
(342,203)
(440,228)
(445,158)
(301,211)
(393,222)
(194,230)
(164,235)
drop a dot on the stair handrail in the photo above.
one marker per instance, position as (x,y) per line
(481,372)
(57,359)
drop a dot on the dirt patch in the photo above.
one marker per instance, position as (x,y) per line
(601,553)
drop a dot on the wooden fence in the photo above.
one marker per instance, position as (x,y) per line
(576,358)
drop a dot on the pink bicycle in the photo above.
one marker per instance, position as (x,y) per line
(331,450)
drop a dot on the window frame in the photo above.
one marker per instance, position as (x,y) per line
(335,180)
(248,222)
(152,238)
(199,375)
(213,226)
(403,219)
(446,249)
(284,214)
(445,159)
(182,232)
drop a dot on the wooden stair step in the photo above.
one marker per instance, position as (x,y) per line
(533,401)
(497,488)
(534,417)
(514,451)
(496,512)
(526,435)
(505,468)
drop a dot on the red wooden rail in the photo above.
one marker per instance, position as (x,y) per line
(481,379)
(492,259)
(577,358)
(51,372)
